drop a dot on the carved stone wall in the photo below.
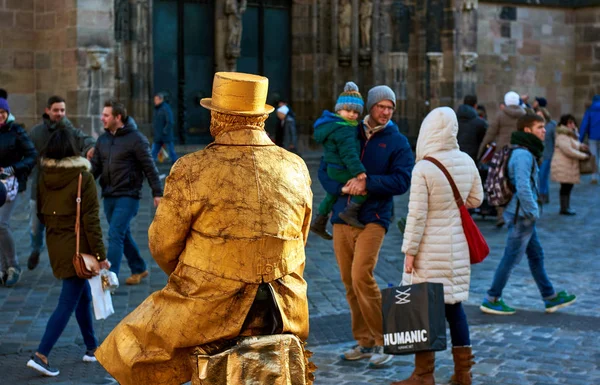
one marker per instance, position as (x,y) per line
(530,50)
(132,59)
(587,58)
(45,52)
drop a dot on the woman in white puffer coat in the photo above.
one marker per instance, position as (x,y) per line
(434,242)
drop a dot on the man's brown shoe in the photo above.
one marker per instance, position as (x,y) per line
(135,279)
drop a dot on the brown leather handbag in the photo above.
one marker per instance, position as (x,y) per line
(86,266)
(588,166)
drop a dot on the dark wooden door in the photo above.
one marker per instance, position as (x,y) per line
(266,50)
(183,34)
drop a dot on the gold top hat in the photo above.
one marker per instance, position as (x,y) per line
(236,93)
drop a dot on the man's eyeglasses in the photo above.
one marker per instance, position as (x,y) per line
(385,108)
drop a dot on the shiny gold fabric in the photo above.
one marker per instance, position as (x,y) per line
(264,360)
(233,216)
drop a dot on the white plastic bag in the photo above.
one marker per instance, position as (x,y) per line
(12,188)
(101,299)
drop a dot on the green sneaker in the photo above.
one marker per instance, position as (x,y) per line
(497,307)
(562,299)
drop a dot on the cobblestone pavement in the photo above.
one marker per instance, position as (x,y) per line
(529,348)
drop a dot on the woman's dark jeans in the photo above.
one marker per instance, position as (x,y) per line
(459,328)
(75,296)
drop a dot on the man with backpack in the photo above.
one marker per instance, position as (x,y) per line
(521,214)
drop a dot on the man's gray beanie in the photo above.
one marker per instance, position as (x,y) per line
(379,93)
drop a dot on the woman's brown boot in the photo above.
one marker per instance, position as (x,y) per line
(463,361)
(423,373)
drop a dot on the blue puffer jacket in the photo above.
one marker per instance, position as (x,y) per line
(522,167)
(389,161)
(591,121)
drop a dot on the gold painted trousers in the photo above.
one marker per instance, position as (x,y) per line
(152,345)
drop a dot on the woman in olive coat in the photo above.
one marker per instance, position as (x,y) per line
(61,166)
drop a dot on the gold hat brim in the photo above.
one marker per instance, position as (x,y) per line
(207,103)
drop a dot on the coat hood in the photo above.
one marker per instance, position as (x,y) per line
(328,123)
(466,112)
(130,125)
(514,112)
(595,103)
(438,132)
(57,174)
(564,130)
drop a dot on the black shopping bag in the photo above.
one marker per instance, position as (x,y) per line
(414,318)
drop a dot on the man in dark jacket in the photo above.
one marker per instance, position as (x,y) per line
(121,160)
(471,128)
(162,124)
(54,116)
(17,158)
(388,160)
(590,126)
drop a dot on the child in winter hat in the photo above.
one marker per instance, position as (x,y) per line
(338,134)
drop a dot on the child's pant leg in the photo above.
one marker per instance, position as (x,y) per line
(327,204)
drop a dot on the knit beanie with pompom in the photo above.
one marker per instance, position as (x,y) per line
(350,99)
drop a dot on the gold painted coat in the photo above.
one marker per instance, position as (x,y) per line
(233,216)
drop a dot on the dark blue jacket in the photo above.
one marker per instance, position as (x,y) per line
(389,161)
(17,151)
(591,121)
(162,123)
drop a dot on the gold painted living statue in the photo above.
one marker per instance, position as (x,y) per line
(230,233)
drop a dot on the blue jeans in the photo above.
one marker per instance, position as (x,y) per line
(8,253)
(75,296)
(545,176)
(459,328)
(522,239)
(170,149)
(36,228)
(119,213)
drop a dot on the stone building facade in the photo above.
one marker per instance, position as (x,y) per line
(431,52)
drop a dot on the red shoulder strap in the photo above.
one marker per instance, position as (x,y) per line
(457,197)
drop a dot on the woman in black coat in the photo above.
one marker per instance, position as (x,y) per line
(17,158)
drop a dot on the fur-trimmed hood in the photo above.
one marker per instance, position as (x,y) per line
(564,130)
(56,174)
(71,162)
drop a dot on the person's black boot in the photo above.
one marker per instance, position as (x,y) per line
(350,215)
(319,227)
(564,206)
(33,260)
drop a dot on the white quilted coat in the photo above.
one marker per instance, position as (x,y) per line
(434,233)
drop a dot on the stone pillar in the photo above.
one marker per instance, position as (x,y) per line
(398,63)
(93,72)
(220,36)
(398,59)
(436,69)
(466,49)
(141,65)
(96,66)
(468,78)
(435,57)
(355,39)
